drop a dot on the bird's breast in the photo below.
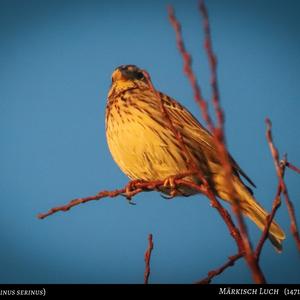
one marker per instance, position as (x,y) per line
(140,142)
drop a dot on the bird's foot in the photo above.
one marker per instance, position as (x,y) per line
(169,183)
(169,197)
(132,185)
(132,189)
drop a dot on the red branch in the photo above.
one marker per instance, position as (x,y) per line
(219,135)
(222,211)
(214,273)
(213,65)
(292,167)
(218,132)
(289,204)
(138,187)
(147,259)
(270,217)
(187,60)
(189,159)
(135,188)
(204,188)
(72,203)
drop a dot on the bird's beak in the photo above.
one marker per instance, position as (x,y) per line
(117,75)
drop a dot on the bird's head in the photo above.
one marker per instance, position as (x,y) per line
(128,77)
(127,73)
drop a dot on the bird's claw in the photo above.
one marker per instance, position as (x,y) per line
(170,184)
(130,190)
(132,186)
(171,196)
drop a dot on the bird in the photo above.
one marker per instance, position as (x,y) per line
(145,148)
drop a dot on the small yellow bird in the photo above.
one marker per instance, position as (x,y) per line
(145,148)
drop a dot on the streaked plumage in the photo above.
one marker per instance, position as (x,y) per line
(145,148)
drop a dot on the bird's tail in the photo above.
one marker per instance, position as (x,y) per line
(253,210)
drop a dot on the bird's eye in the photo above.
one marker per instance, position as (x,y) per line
(131,72)
(139,75)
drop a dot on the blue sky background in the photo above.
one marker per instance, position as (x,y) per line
(56,59)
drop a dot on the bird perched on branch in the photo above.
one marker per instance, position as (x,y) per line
(146,148)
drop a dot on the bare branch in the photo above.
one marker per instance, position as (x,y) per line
(289,204)
(212,59)
(148,258)
(292,167)
(204,188)
(72,203)
(216,272)
(187,60)
(219,135)
(270,218)
(191,164)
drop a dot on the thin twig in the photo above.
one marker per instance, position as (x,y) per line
(187,60)
(292,167)
(217,132)
(270,217)
(72,203)
(190,162)
(216,272)
(134,190)
(148,258)
(289,204)
(212,59)
(204,109)
(151,186)
(204,188)
(219,135)
(235,233)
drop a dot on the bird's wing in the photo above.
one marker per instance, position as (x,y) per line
(189,126)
